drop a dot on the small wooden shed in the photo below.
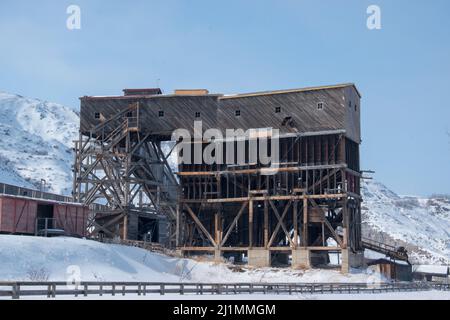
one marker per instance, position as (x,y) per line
(25,215)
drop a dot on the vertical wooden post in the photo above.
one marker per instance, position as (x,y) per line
(217,227)
(125,227)
(177,227)
(295,221)
(250,223)
(323,234)
(266,223)
(346,224)
(305,222)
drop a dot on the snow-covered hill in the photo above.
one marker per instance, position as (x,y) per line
(420,224)
(36,140)
(35,143)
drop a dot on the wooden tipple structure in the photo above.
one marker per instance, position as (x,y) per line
(303,203)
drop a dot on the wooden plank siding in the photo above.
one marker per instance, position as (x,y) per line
(218,111)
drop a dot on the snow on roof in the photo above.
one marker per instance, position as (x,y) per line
(431,269)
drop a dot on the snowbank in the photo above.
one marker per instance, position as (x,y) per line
(35,258)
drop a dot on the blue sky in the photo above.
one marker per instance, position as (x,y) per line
(402,70)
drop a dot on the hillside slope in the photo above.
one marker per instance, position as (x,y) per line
(36,141)
(420,224)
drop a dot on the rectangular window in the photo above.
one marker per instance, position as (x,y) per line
(129,114)
(97,115)
(320,106)
(197,114)
(356,107)
(161,114)
(237,113)
(277,109)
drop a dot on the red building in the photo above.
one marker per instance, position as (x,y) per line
(26,213)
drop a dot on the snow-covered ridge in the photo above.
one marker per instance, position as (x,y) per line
(422,224)
(36,140)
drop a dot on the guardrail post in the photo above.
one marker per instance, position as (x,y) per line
(123,290)
(139,289)
(101,290)
(113,290)
(201,288)
(182,289)
(16,291)
(162,290)
(85,290)
(49,289)
(53,290)
(145,290)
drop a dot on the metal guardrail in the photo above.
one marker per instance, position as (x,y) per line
(15,290)
(11,190)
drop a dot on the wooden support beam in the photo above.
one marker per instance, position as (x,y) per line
(178,227)
(262,198)
(217,228)
(280,223)
(250,223)
(266,223)
(235,220)
(329,226)
(295,222)
(200,225)
(305,223)
(263,171)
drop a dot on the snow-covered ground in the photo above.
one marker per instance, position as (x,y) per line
(55,259)
(36,140)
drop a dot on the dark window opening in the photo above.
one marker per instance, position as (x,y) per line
(320,105)
(148,230)
(161,114)
(97,115)
(277,109)
(197,114)
(356,107)
(129,114)
(238,113)
(349,104)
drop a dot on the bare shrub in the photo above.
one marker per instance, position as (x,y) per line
(38,274)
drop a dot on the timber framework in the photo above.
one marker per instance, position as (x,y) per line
(305,210)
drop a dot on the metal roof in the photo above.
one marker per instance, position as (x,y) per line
(263,93)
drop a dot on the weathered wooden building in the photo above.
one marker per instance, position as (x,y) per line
(306,194)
